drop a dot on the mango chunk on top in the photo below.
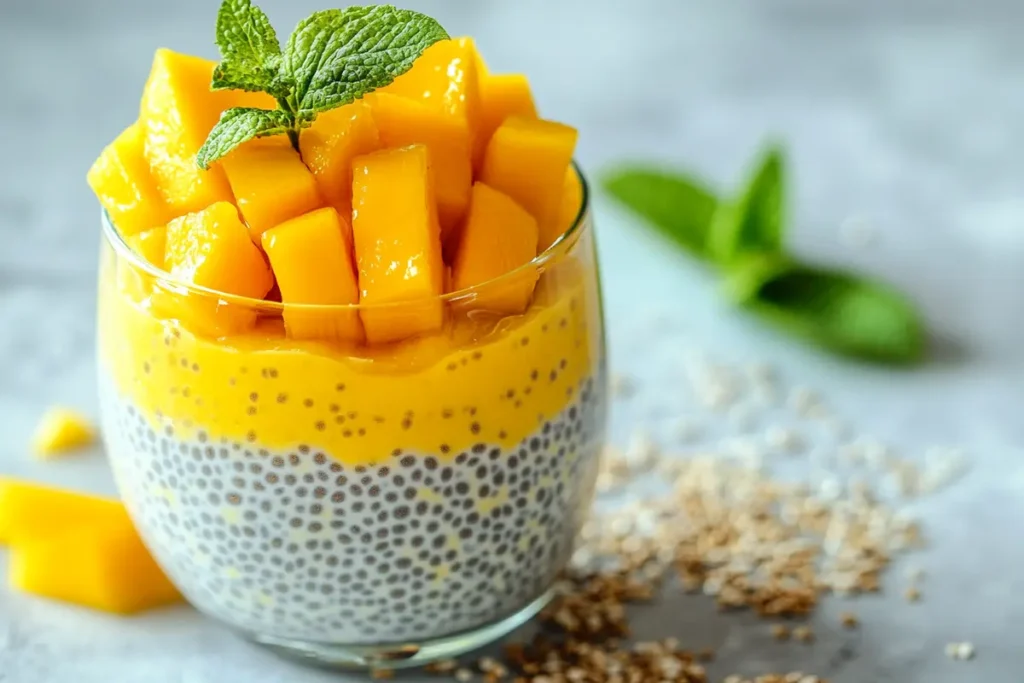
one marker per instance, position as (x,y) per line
(402,122)
(121,179)
(527,160)
(212,248)
(270,183)
(29,511)
(568,210)
(312,259)
(177,112)
(501,96)
(328,147)
(445,77)
(397,244)
(498,237)
(62,430)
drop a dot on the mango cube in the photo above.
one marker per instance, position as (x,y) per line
(397,244)
(568,210)
(501,96)
(328,147)
(62,430)
(29,511)
(402,122)
(527,159)
(498,237)
(105,567)
(178,111)
(212,249)
(312,260)
(270,183)
(122,182)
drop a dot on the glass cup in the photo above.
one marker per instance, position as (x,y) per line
(350,504)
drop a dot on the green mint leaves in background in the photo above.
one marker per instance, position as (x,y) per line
(333,57)
(744,237)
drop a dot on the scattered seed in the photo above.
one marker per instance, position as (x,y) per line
(912,594)
(849,620)
(804,634)
(780,632)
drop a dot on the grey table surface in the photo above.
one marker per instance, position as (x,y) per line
(904,115)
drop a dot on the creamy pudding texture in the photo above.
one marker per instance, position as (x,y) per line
(357,496)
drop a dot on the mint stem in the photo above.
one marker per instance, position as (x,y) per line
(293,135)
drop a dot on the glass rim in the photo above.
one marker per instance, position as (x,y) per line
(558,249)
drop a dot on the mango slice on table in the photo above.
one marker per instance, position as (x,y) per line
(102,566)
(212,248)
(568,210)
(402,122)
(501,96)
(328,147)
(61,430)
(312,261)
(498,237)
(270,183)
(397,244)
(122,182)
(445,78)
(527,160)
(31,511)
(177,112)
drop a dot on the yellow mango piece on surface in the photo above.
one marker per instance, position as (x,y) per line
(31,511)
(122,182)
(445,77)
(105,567)
(270,183)
(312,261)
(568,210)
(498,237)
(61,430)
(526,159)
(397,244)
(212,249)
(177,112)
(402,121)
(328,147)
(501,96)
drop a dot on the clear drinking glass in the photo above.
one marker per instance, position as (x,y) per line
(357,505)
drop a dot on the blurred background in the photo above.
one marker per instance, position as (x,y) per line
(904,117)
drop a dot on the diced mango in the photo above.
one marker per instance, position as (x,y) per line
(402,122)
(501,96)
(105,567)
(29,511)
(150,244)
(568,210)
(270,183)
(526,159)
(498,237)
(445,77)
(328,147)
(397,244)
(61,430)
(122,182)
(212,249)
(178,111)
(312,260)
(131,278)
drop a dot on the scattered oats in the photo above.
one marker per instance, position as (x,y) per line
(965,651)
(622,386)
(849,620)
(441,666)
(784,440)
(643,453)
(463,675)
(912,594)
(804,634)
(382,674)
(780,632)
(733,679)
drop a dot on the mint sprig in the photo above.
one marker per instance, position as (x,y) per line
(744,237)
(332,58)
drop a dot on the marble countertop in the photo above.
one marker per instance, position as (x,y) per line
(904,116)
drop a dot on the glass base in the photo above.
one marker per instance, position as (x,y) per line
(396,655)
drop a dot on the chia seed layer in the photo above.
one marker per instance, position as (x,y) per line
(298,545)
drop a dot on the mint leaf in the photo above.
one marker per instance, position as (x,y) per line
(834,309)
(239,125)
(678,207)
(336,56)
(753,222)
(250,51)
